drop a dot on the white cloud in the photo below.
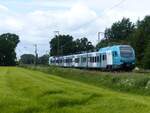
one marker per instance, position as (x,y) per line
(79,14)
(39,24)
(3,8)
(13,24)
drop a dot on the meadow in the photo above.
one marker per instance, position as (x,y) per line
(31,91)
(136,82)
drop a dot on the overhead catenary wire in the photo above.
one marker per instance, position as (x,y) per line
(102,13)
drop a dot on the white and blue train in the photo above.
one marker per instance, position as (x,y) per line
(110,58)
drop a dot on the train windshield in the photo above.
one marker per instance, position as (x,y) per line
(126,52)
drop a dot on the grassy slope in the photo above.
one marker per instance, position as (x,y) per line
(130,82)
(27,91)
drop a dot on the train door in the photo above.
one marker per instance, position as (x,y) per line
(109,58)
(73,61)
(103,60)
(98,60)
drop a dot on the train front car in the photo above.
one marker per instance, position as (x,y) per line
(123,57)
(117,57)
(127,57)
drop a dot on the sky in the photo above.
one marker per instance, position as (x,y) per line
(36,20)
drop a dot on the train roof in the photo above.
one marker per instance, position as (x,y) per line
(114,47)
(74,55)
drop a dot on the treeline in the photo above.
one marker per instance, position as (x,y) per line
(60,45)
(121,32)
(66,45)
(31,59)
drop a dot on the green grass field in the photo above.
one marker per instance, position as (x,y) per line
(129,82)
(28,91)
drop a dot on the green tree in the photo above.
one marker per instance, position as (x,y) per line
(8,44)
(43,59)
(118,33)
(62,45)
(27,59)
(120,30)
(83,45)
(146,58)
(140,39)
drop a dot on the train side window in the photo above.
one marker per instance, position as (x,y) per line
(76,60)
(65,60)
(104,57)
(92,59)
(69,60)
(83,59)
(100,57)
(97,58)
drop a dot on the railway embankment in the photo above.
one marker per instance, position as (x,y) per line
(137,82)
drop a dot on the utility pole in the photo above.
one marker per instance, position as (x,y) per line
(99,36)
(36,54)
(57,34)
(47,52)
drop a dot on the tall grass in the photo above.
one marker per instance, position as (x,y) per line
(132,82)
